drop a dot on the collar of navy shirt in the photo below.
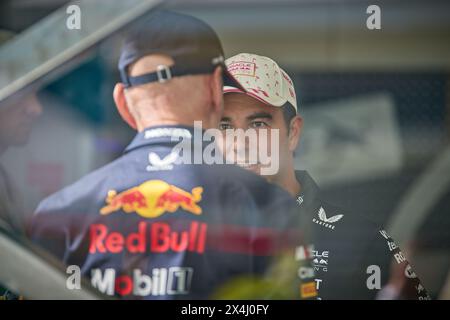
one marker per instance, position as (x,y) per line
(309,190)
(141,139)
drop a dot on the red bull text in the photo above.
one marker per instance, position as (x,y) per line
(157,237)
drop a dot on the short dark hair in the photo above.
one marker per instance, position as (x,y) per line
(288,114)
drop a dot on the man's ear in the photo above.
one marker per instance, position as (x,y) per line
(122,106)
(295,131)
(217,89)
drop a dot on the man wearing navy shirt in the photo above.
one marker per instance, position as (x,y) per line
(352,257)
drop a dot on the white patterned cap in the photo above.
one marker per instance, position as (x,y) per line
(262,79)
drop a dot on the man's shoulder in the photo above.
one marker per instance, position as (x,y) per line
(248,197)
(326,213)
(341,221)
(333,221)
(76,195)
(234,177)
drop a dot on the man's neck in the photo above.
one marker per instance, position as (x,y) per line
(142,125)
(147,124)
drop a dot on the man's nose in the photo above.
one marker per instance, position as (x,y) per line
(242,143)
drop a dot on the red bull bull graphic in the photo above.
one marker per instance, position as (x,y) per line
(153,198)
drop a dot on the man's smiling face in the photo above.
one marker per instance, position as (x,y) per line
(244,112)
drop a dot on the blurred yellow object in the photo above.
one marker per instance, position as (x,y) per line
(279,282)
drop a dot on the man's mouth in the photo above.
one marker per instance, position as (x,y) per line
(248,166)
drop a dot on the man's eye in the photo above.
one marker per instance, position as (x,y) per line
(259,124)
(224,126)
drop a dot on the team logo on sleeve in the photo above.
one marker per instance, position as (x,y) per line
(160,282)
(320,261)
(325,221)
(409,273)
(308,290)
(153,198)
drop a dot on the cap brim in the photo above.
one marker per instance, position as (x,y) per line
(230,81)
(230,89)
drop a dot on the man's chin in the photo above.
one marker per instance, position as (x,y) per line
(255,168)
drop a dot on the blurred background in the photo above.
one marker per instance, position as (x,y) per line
(375,104)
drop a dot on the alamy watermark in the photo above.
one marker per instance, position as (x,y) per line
(73,21)
(373,21)
(252,148)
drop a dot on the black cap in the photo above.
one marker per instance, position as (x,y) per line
(190,42)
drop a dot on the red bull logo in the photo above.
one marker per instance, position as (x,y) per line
(153,198)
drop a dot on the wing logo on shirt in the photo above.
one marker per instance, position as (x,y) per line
(325,221)
(333,219)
